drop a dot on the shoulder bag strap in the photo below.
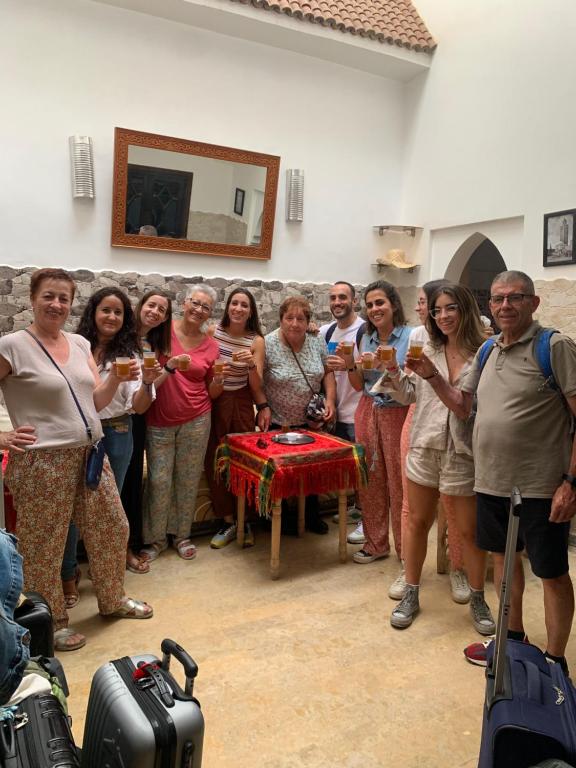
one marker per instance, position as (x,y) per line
(60,371)
(302,370)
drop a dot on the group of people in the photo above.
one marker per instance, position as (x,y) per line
(437,417)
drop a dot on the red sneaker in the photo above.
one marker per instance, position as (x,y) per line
(476,653)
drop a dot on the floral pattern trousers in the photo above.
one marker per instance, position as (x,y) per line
(175,457)
(49,492)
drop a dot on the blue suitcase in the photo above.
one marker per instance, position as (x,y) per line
(530,705)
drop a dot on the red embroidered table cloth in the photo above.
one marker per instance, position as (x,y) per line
(272,470)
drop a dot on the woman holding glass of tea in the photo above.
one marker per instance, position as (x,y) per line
(178,426)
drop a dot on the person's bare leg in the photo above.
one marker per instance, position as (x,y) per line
(422,502)
(474,558)
(558,612)
(515,623)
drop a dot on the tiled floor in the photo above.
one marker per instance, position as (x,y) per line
(306,671)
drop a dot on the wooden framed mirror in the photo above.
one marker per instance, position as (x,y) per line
(178,195)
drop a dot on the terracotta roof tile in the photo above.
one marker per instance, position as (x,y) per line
(395,22)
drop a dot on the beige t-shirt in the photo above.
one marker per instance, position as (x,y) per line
(522,434)
(37,394)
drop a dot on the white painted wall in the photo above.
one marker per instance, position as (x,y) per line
(492,126)
(73,66)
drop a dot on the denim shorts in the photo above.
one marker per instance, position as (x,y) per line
(14,639)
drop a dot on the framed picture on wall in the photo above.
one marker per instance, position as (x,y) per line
(239,201)
(559,238)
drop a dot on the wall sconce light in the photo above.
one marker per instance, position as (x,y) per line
(294,195)
(82,166)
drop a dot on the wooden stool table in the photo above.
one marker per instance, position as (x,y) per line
(256,468)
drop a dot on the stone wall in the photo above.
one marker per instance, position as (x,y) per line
(15,312)
(558,304)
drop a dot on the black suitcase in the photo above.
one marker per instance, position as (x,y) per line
(139,717)
(530,705)
(36,616)
(38,736)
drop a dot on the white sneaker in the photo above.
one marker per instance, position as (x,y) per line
(357,535)
(459,587)
(398,586)
(353,516)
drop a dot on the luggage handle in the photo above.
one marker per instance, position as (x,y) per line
(499,659)
(171,648)
(533,681)
(8,744)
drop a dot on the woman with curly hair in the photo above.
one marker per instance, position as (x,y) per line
(439,461)
(378,421)
(108,324)
(153,317)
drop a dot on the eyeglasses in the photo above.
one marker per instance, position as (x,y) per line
(449,309)
(515,299)
(205,308)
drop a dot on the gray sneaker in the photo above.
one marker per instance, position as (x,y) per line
(357,535)
(481,614)
(459,587)
(353,516)
(398,587)
(406,610)
(225,535)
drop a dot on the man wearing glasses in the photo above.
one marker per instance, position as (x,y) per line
(522,436)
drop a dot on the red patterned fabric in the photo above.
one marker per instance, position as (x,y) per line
(9,511)
(275,471)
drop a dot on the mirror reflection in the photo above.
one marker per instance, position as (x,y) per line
(175,195)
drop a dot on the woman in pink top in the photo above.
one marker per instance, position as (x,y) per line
(178,426)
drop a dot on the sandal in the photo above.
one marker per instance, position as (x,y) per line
(152,551)
(136,564)
(70,589)
(62,639)
(131,609)
(185,549)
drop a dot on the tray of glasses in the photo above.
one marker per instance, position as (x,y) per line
(293,438)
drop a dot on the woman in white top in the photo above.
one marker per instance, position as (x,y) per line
(459,586)
(48,451)
(439,460)
(241,348)
(108,324)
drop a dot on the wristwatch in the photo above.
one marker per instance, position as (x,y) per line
(261,406)
(569,479)
(168,369)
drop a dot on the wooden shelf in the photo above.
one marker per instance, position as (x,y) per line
(381,267)
(407,229)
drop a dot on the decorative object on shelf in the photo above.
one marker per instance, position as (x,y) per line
(406,229)
(82,166)
(162,181)
(559,238)
(239,201)
(294,194)
(395,258)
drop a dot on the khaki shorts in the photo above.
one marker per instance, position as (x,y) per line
(452,473)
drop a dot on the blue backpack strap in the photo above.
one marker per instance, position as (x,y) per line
(330,332)
(359,333)
(484,352)
(542,355)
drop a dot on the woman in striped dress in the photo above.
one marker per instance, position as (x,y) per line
(241,345)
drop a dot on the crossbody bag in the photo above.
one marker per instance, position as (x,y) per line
(95,459)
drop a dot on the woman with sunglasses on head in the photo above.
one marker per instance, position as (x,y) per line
(153,316)
(439,461)
(108,324)
(178,426)
(378,422)
(459,586)
(241,347)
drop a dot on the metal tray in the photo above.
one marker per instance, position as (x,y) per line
(293,438)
